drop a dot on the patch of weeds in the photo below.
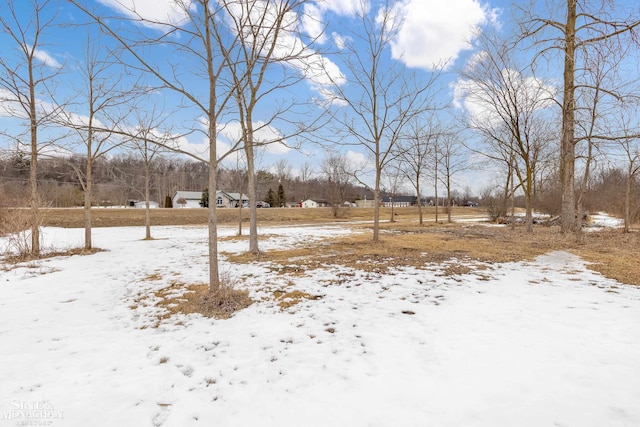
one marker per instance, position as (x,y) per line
(199,298)
(291,298)
(456,269)
(17,259)
(153,277)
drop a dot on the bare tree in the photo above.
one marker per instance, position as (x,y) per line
(450,162)
(630,149)
(335,169)
(511,112)
(415,151)
(102,102)
(198,37)
(268,42)
(147,147)
(306,174)
(394,178)
(381,98)
(584,26)
(26,77)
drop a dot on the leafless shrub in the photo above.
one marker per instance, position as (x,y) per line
(495,205)
(15,227)
(225,301)
(198,298)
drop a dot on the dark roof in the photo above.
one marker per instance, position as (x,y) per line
(400,199)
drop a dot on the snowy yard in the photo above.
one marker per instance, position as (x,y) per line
(543,343)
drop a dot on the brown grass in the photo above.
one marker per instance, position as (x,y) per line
(611,253)
(183,298)
(291,298)
(115,217)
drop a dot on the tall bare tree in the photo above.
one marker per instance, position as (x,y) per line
(268,43)
(149,144)
(450,162)
(27,73)
(200,40)
(415,152)
(381,98)
(630,150)
(576,28)
(102,102)
(511,111)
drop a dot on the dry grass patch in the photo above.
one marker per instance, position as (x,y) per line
(613,254)
(183,298)
(404,246)
(291,298)
(16,259)
(609,252)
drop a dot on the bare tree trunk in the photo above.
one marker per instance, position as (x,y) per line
(513,195)
(627,199)
(147,207)
(528,201)
(393,219)
(33,170)
(88,190)
(436,182)
(376,206)
(421,221)
(449,207)
(567,150)
(251,189)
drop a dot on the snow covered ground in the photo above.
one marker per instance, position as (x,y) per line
(543,343)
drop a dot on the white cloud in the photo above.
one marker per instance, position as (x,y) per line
(46,59)
(155,12)
(198,149)
(312,23)
(478,100)
(272,140)
(318,70)
(9,105)
(359,161)
(340,41)
(434,31)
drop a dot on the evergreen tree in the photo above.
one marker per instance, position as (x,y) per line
(281,197)
(270,197)
(204,201)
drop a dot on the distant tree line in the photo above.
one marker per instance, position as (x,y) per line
(120,179)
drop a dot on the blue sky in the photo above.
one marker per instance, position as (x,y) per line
(433,31)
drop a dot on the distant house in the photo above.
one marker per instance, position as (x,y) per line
(399,201)
(141,204)
(186,199)
(225,199)
(315,203)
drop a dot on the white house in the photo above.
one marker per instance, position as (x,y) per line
(189,199)
(226,199)
(310,203)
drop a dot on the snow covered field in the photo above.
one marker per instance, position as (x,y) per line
(543,343)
